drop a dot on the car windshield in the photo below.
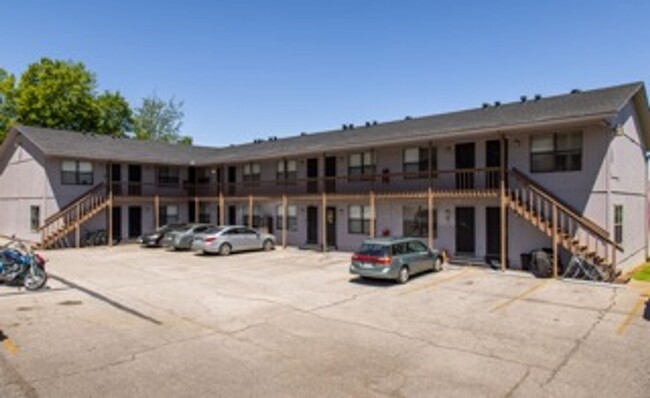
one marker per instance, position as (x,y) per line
(170,227)
(373,249)
(185,228)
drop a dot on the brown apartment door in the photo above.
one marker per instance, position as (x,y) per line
(465,231)
(116,178)
(493,230)
(312,175)
(232,179)
(493,160)
(330,174)
(135,179)
(465,162)
(312,225)
(330,214)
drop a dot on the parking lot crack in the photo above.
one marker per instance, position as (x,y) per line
(581,340)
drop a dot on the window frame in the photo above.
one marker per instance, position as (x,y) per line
(421,227)
(76,174)
(168,179)
(363,223)
(426,166)
(555,154)
(34,218)
(164,215)
(619,215)
(251,177)
(365,170)
(286,176)
(292,219)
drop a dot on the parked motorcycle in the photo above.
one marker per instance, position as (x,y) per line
(19,264)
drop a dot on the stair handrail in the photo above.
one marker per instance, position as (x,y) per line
(81,198)
(563,206)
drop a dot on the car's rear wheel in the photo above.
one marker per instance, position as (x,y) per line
(225,249)
(268,245)
(437,265)
(403,275)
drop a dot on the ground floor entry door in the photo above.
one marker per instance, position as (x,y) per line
(465,230)
(312,225)
(135,221)
(232,215)
(117,223)
(331,226)
(493,230)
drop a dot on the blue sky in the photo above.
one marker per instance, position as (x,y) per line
(252,69)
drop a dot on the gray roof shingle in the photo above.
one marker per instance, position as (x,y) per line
(602,102)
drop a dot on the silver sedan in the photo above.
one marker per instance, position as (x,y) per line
(225,240)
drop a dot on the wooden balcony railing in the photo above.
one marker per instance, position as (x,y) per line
(385,182)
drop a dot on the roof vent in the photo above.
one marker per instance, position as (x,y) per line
(302,133)
(576,91)
(497,103)
(350,126)
(486,105)
(273,138)
(407,117)
(345,127)
(367,124)
(538,97)
(257,141)
(523,99)
(374,122)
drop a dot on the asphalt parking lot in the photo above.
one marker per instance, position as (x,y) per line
(138,322)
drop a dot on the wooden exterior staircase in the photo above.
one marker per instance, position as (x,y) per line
(57,227)
(566,227)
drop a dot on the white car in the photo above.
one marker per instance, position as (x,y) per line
(234,238)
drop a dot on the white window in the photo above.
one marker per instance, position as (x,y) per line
(292,217)
(618,224)
(361,164)
(287,171)
(359,219)
(34,218)
(556,152)
(252,172)
(168,175)
(74,172)
(415,221)
(416,161)
(169,214)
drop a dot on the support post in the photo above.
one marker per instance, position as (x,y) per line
(284,221)
(110,218)
(324,222)
(250,211)
(156,209)
(504,209)
(196,209)
(430,219)
(555,243)
(373,215)
(222,209)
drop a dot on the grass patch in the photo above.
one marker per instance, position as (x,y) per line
(643,274)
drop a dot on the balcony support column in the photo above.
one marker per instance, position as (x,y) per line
(110,217)
(373,215)
(196,209)
(504,203)
(156,210)
(284,221)
(250,211)
(222,209)
(555,243)
(430,224)
(323,231)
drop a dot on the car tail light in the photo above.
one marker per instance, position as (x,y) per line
(383,261)
(210,239)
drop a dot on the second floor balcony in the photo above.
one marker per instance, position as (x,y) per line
(461,180)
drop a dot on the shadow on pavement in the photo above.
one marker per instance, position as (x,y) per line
(646,313)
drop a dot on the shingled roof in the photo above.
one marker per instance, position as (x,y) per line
(600,103)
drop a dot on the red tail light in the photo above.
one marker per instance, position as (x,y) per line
(383,261)
(210,239)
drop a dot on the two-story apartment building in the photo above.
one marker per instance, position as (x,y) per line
(566,172)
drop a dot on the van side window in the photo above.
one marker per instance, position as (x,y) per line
(417,247)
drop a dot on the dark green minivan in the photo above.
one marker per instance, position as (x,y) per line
(394,258)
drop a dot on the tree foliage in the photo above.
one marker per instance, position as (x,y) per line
(63,95)
(160,120)
(115,115)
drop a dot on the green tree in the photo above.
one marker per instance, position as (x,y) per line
(159,120)
(7,108)
(115,116)
(57,94)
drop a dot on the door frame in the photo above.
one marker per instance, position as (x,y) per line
(312,225)
(330,174)
(312,175)
(471,237)
(493,232)
(131,233)
(465,159)
(331,226)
